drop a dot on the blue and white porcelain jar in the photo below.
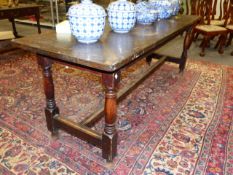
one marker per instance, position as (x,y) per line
(164,8)
(175,6)
(121,16)
(145,14)
(87,21)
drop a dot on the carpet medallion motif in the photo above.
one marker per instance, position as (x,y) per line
(170,124)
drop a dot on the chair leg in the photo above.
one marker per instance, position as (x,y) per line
(232,53)
(222,43)
(195,36)
(205,42)
(230,39)
(217,44)
(212,37)
(201,44)
(208,43)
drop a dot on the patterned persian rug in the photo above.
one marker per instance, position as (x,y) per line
(171,124)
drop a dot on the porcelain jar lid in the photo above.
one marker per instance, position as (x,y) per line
(162,2)
(86,9)
(122,5)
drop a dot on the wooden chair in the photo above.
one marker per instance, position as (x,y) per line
(192,7)
(204,9)
(223,7)
(229,23)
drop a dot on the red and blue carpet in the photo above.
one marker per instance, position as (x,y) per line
(171,124)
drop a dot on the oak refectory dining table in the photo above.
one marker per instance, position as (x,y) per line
(112,53)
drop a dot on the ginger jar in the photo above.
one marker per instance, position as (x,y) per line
(87,21)
(145,14)
(164,8)
(121,16)
(176,6)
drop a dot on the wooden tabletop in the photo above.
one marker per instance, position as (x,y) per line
(113,50)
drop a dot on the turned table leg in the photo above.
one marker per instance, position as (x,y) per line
(187,43)
(37,16)
(12,20)
(109,137)
(51,110)
(149,59)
